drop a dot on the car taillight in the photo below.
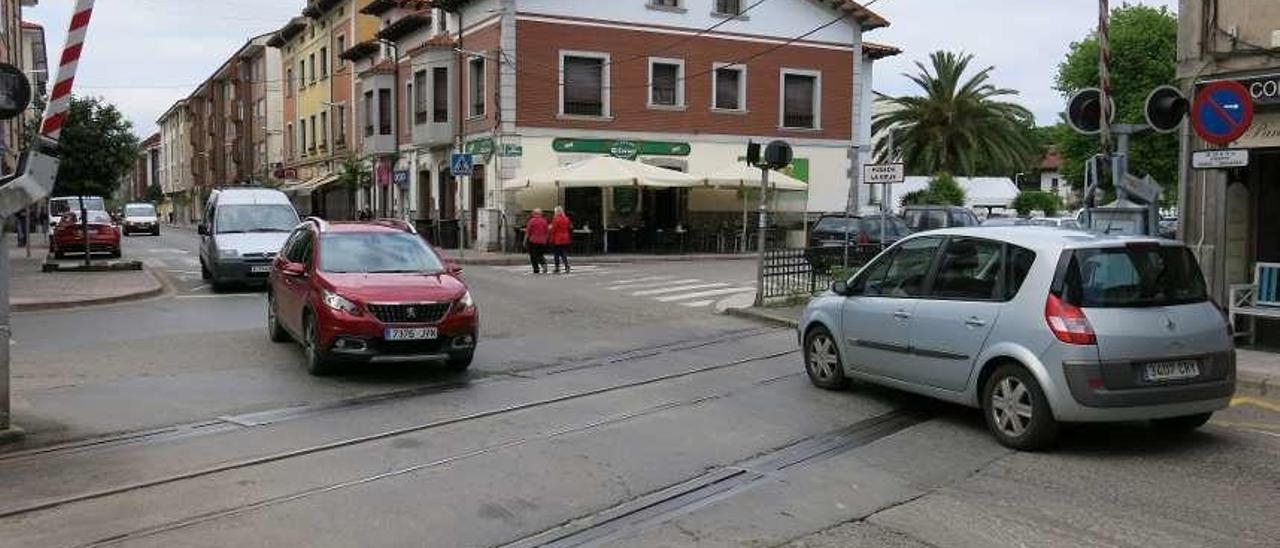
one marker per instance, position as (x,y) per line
(1068,322)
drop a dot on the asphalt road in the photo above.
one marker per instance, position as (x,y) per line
(610,408)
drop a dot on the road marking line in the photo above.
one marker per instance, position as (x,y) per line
(652,284)
(679,289)
(648,279)
(698,304)
(1255,402)
(199,287)
(701,294)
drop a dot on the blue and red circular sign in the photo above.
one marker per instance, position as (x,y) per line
(1223,111)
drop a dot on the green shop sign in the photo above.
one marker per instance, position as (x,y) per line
(480,147)
(621,148)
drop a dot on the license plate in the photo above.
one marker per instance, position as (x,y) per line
(411,333)
(263,269)
(1171,371)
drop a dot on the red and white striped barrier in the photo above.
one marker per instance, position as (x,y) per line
(55,113)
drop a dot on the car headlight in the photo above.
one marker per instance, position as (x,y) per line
(229,253)
(338,302)
(464,302)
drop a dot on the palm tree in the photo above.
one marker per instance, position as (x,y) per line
(956,125)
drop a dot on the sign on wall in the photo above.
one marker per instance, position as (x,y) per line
(605,146)
(1264,90)
(1219,159)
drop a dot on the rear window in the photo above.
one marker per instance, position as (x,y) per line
(926,219)
(1133,276)
(835,224)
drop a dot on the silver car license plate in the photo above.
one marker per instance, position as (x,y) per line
(263,269)
(1171,371)
(411,333)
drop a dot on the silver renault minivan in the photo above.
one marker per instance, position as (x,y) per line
(242,232)
(1035,326)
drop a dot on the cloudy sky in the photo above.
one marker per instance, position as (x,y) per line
(143,55)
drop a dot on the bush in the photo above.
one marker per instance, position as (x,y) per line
(1036,200)
(944,190)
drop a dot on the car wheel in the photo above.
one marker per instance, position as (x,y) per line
(275,331)
(460,362)
(155,232)
(1181,424)
(822,360)
(1016,409)
(317,364)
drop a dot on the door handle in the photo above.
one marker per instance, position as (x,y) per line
(974,321)
(902,315)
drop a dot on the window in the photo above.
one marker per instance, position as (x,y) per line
(342,47)
(583,80)
(729,87)
(374,253)
(800,103)
(903,274)
(288,83)
(312,74)
(324,62)
(970,269)
(298,248)
(666,5)
(302,73)
(476,85)
(340,128)
(1018,261)
(440,94)
(666,82)
(408,100)
(324,128)
(728,7)
(384,111)
(1131,277)
(368,114)
(420,105)
(313,132)
(302,136)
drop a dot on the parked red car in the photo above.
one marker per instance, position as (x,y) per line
(369,292)
(68,235)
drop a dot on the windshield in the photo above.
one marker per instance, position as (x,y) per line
(1134,276)
(836,224)
(140,211)
(377,253)
(925,219)
(232,219)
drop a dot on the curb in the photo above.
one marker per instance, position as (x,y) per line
(763,316)
(158,290)
(1262,386)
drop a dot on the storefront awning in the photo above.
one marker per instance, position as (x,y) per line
(305,188)
(741,175)
(605,172)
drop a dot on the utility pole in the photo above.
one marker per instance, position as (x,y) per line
(464,225)
(761,225)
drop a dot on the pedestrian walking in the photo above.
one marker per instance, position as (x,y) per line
(536,235)
(23,225)
(561,227)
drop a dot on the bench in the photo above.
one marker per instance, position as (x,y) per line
(1260,299)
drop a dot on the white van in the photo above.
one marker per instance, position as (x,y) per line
(242,231)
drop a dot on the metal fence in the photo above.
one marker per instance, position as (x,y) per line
(805,271)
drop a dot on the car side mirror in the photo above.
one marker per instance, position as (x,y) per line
(453,269)
(294,270)
(840,287)
(202,229)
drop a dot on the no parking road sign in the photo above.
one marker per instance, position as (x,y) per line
(1223,111)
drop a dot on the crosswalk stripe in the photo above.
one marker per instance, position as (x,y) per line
(700,294)
(652,284)
(678,289)
(698,304)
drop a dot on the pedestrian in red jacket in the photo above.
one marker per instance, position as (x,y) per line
(560,238)
(536,236)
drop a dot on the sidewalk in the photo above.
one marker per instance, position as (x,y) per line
(1257,371)
(31,289)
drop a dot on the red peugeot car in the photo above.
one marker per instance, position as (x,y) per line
(369,292)
(68,235)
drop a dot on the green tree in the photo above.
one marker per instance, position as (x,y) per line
(98,148)
(957,124)
(1036,200)
(154,193)
(944,190)
(1143,56)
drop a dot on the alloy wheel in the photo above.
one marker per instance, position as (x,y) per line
(1011,406)
(822,357)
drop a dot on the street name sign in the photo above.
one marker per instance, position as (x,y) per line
(1220,159)
(1222,112)
(878,174)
